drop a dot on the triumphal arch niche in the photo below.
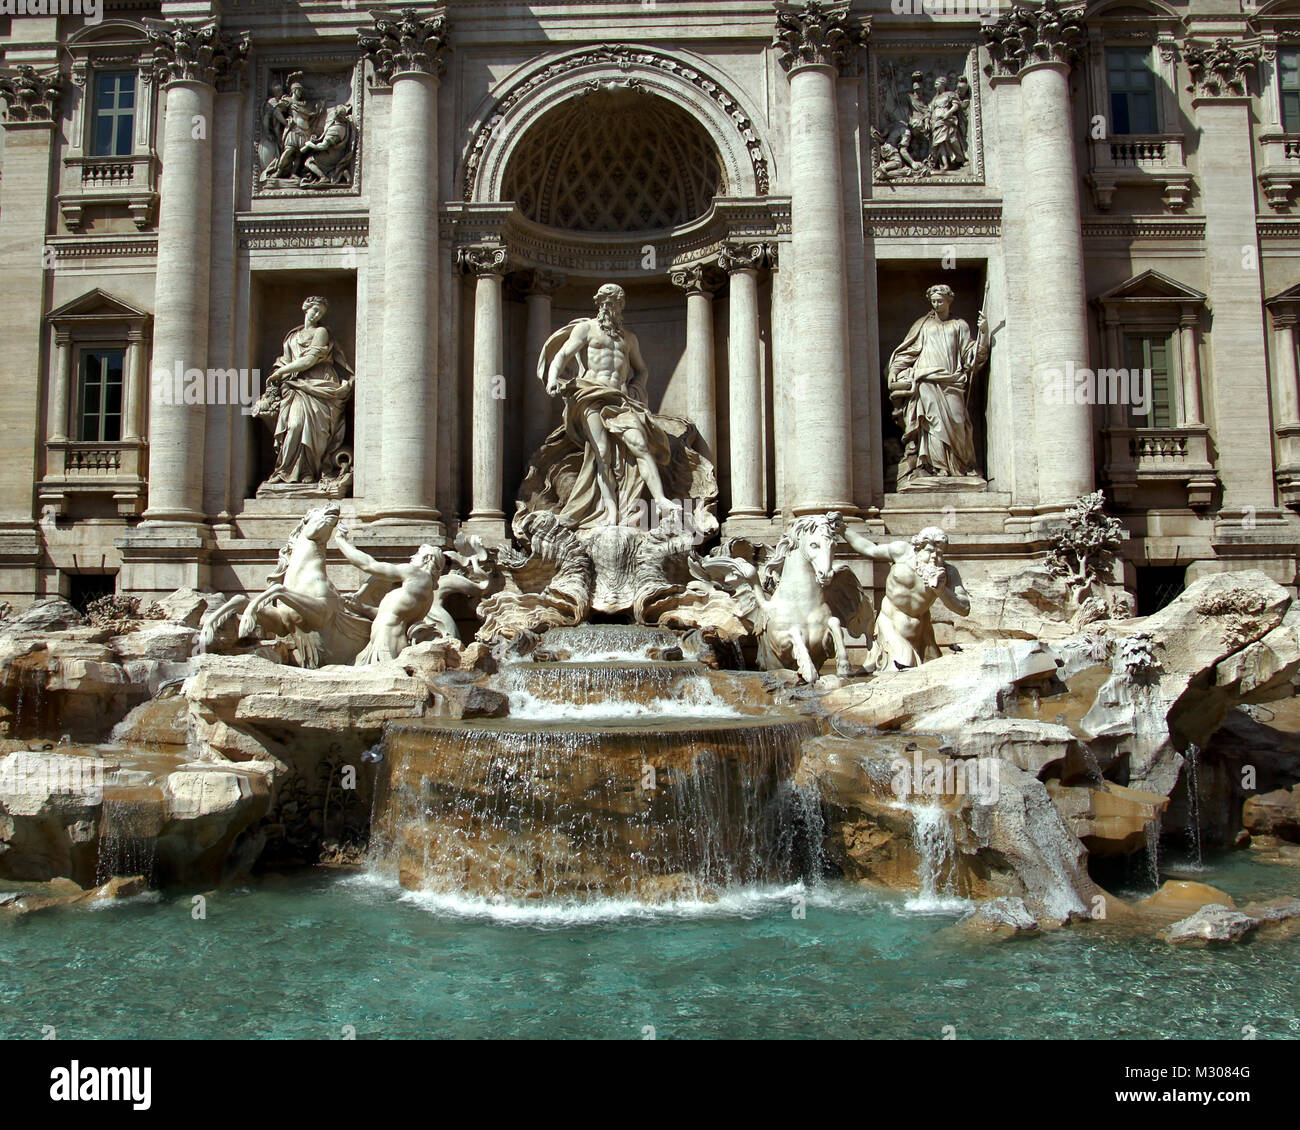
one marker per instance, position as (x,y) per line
(621,187)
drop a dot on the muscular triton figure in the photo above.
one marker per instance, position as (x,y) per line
(605,403)
(918,577)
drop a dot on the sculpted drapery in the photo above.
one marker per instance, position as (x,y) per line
(307,396)
(930,378)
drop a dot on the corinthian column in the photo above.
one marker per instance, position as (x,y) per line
(407,53)
(814,41)
(488,265)
(700,282)
(1036,48)
(189,59)
(744,381)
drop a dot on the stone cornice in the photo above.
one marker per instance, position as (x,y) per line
(31,97)
(817,34)
(409,44)
(1026,36)
(1221,70)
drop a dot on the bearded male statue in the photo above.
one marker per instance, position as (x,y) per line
(611,452)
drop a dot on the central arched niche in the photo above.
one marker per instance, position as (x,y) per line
(615,160)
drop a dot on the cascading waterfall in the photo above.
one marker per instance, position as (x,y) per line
(936,851)
(1194,804)
(128,834)
(1153,852)
(631,777)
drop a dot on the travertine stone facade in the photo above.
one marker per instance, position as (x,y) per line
(775,186)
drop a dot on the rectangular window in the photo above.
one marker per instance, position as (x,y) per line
(1288,77)
(1142,352)
(99,405)
(1132,87)
(114,113)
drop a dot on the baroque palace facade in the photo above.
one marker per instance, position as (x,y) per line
(392,212)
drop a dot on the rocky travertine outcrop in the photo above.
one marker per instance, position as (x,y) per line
(79,812)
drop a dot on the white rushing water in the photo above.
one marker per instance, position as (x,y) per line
(936,850)
(693,697)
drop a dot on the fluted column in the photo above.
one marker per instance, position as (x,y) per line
(58,425)
(814,40)
(700,282)
(407,53)
(541,288)
(744,381)
(488,265)
(189,59)
(1037,47)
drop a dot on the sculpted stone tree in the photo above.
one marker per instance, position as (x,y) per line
(918,576)
(306,396)
(611,450)
(930,377)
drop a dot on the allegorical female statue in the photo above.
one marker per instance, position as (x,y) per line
(307,397)
(930,377)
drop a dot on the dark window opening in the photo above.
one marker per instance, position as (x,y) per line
(1158,585)
(99,411)
(1132,88)
(86,587)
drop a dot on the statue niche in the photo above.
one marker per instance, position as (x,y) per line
(931,378)
(305,399)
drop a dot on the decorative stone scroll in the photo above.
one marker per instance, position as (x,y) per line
(194,50)
(410,43)
(1024,36)
(30,96)
(483,261)
(817,34)
(747,256)
(1222,70)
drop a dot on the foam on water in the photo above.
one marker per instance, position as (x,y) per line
(693,697)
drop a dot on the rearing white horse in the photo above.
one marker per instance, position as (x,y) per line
(813,604)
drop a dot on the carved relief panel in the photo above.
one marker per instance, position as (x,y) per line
(307,127)
(925,114)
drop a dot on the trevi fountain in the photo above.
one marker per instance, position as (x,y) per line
(621,760)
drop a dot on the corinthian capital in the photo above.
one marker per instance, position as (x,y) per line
(409,43)
(194,50)
(1221,71)
(29,96)
(1024,36)
(817,33)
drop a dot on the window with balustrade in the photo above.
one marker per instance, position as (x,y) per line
(110,170)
